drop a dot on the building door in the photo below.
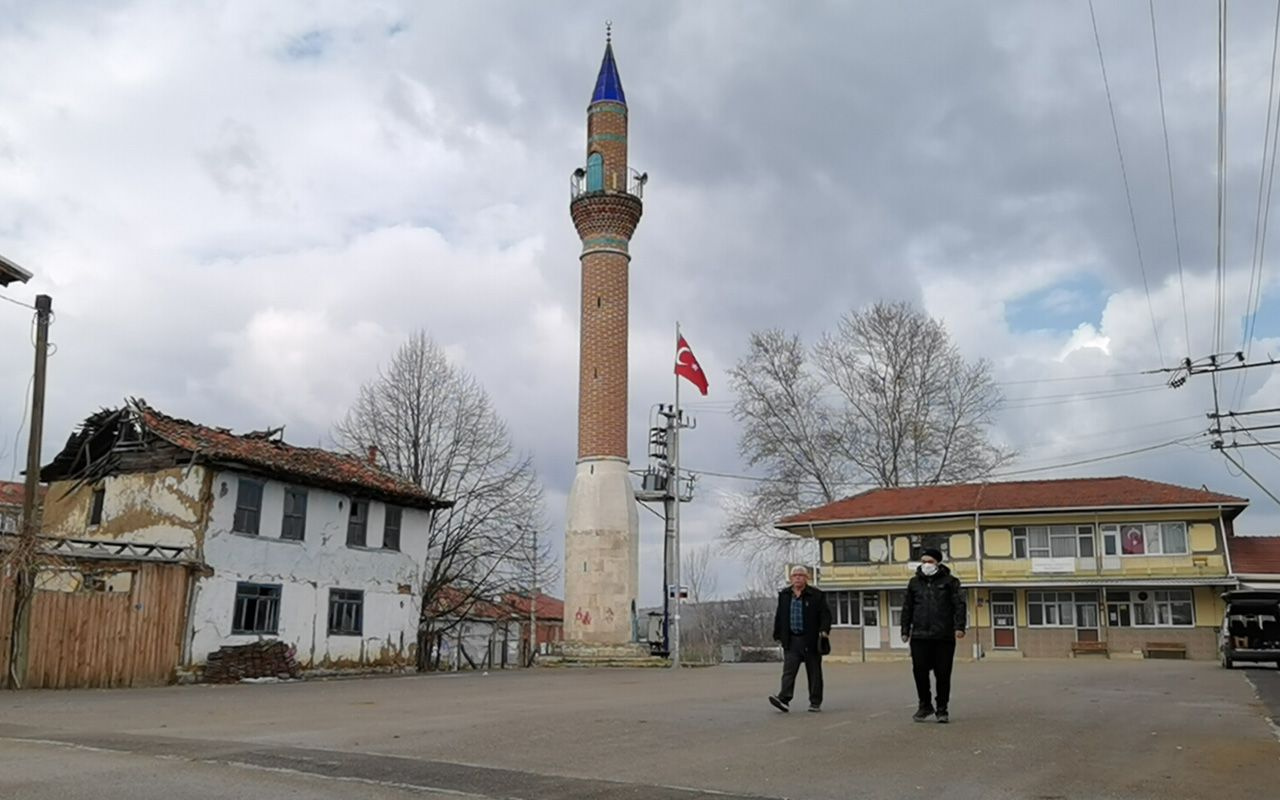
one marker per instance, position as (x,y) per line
(871,620)
(1087,617)
(1004,620)
(896,601)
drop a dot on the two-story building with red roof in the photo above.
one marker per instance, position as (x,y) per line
(1114,566)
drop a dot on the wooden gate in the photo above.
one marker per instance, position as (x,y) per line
(103,625)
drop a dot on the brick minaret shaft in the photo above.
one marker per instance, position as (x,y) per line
(605,215)
(602,535)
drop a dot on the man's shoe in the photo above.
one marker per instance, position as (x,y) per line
(815,708)
(943,716)
(922,713)
(779,703)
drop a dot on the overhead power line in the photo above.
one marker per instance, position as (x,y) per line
(1168,161)
(1124,175)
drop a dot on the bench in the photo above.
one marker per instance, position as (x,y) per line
(1089,648)
(1164,650)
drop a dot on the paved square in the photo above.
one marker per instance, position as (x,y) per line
(1033,729)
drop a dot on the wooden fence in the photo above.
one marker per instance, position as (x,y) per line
(102,625)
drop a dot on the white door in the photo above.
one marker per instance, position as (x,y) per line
(871,620)
(896,600)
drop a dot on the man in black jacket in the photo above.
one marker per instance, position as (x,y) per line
(801,625)
(933,618)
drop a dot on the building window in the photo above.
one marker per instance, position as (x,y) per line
(851,551)
(391,528)
(1147,539)
(248,506)
(1053,541)
(595,173)
(1051,610)
(257,608)
(897,599)
(358,524)
(8,522)
(294,524)
(346,612)
(844,608)
(95,508)
(1165,608)
(938,541)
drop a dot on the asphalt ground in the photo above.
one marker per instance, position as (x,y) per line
(1020,729)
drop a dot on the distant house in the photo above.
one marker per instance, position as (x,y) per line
(11,496)
(471,632)
(1115,566)
(250,537)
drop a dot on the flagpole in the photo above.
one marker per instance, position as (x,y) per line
(675,546)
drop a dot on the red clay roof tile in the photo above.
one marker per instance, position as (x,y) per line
(275,457)
(967,498)
(1254,555)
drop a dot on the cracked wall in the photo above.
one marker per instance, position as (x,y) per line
(306,570)
(159,507)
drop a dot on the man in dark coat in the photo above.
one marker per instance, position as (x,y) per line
(801,625)
(933,618)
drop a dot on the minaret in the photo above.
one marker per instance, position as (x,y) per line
(602,536)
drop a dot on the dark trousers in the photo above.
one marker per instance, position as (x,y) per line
(799,653)
(936,656)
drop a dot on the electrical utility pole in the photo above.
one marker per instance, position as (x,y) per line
(25,587)
(661,482)
(533,598)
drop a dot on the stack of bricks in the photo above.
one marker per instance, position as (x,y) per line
(267,659)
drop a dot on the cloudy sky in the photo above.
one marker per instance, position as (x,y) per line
(241,208)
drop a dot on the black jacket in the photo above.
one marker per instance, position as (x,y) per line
(817,616)
(934,607)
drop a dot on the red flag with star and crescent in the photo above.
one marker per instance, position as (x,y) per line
(687,366)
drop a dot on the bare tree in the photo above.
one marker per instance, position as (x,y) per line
(434,424)
(884,400)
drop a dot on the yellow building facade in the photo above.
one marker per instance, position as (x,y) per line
(1107,567)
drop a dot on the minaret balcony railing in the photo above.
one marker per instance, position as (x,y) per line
(579,185)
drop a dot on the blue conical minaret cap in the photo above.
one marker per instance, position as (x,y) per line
(608,83)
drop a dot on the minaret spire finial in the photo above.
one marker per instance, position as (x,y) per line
(608,31)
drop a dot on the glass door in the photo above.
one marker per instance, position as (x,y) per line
(896,600)
(871,620)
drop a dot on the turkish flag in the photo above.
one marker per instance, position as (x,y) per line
(687,366)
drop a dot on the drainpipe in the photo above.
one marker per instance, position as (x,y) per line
(977,548)
(1222,531)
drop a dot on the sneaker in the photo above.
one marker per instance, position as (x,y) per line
(815,708)
(922,713)
(943,716)
(779,703)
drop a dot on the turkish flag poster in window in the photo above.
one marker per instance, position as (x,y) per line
(1132,541)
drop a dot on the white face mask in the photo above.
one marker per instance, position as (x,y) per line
(929,568)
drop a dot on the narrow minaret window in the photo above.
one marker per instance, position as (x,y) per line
(595,173)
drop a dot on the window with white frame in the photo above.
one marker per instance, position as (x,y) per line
(844,609)
(1146,539)
(1053,609)
(1053,541)
(1150,608)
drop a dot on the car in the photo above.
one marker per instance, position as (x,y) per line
(1251,627)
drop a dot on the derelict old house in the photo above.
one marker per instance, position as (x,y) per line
(173,539)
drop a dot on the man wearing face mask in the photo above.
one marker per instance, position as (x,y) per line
(933,618)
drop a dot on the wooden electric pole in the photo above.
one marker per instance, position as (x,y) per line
(27,545)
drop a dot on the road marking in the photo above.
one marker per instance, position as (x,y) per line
(838,724)
(877,714)
(788,739)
